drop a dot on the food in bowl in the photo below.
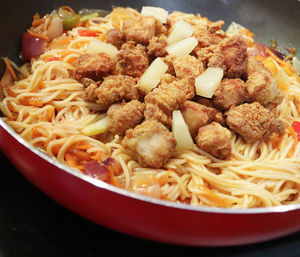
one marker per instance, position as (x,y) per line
(165,105)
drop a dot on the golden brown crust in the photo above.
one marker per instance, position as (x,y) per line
(115,88)
(150,143)
(115,37)
(253,122)
(231,92)
(162,101)
(215,139)
(133,59)
(94,66)
(124,116)
(157,46)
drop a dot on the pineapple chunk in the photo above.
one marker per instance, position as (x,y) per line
(182,47)
(282,80)
(233,29)
(181,132)
(180,31)
(157,12)
(97,127)
(96,46)
(296,64)
(152,75)
(207,83)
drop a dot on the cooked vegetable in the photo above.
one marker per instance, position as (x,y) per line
(182,47)
(282,80)
(96,170)
(96,128)
(89,16)
(207,83)
(55,28)
(96,46)
(152,75)
(181,131)
(157,12)
(296,64)
(32,46)
(71,21)
(296,127)
(180,31)
(233,29)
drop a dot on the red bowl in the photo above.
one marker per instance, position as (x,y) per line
(143,216)
(135,214)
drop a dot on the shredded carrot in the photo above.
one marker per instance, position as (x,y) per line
(71,60)
(38,35)
(71,161)
(55,149)
(68,8)
(269,63)
(11,93)
(81,155)
(215,198)
(291,151)
(10,107)
(10,68)
(35,132)
(113,179)
(60,43)
(53,59)
(97,156)
(82,146)
(37,20)
(47,114)
(31,100)
(87,33)
(292,133)
(276,142)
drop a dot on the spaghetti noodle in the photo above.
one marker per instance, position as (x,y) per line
(46,107)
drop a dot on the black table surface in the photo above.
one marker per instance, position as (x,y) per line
(32,224)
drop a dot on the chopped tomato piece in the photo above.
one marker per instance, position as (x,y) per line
(87,33)
(296,127)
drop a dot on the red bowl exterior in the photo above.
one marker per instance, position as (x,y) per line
(146,219)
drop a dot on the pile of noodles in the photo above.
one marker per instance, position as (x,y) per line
(47,108)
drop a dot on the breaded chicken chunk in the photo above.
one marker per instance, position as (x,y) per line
(115,37)
(162,101)
(197,115)
(133,59)
(157,46)
(94,67)
(230,92)
(261,85)
(215,139)
(124,116)
(115,88)
(139,29)
(253,122)
(150,143)
(235,54)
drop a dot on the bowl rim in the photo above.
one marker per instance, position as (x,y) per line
(126,193)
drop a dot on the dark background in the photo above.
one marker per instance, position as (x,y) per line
(31,224)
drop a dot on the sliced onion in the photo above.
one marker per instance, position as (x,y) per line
(32,46)
(56,28)
(96,170)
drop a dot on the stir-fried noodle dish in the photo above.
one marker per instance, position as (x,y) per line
(167,105)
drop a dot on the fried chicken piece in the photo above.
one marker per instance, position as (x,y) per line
(215,139)
(162,101)
(235,54)
(94,66)
(253,122)
(133,59)
(150,143)
(139,29)
(188,67)
(89,94)
(115,37)
(215,26)
(157,46)
(124,116)
(115,88)
(230,92)
(197,115)
(261,86)
(169,59)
